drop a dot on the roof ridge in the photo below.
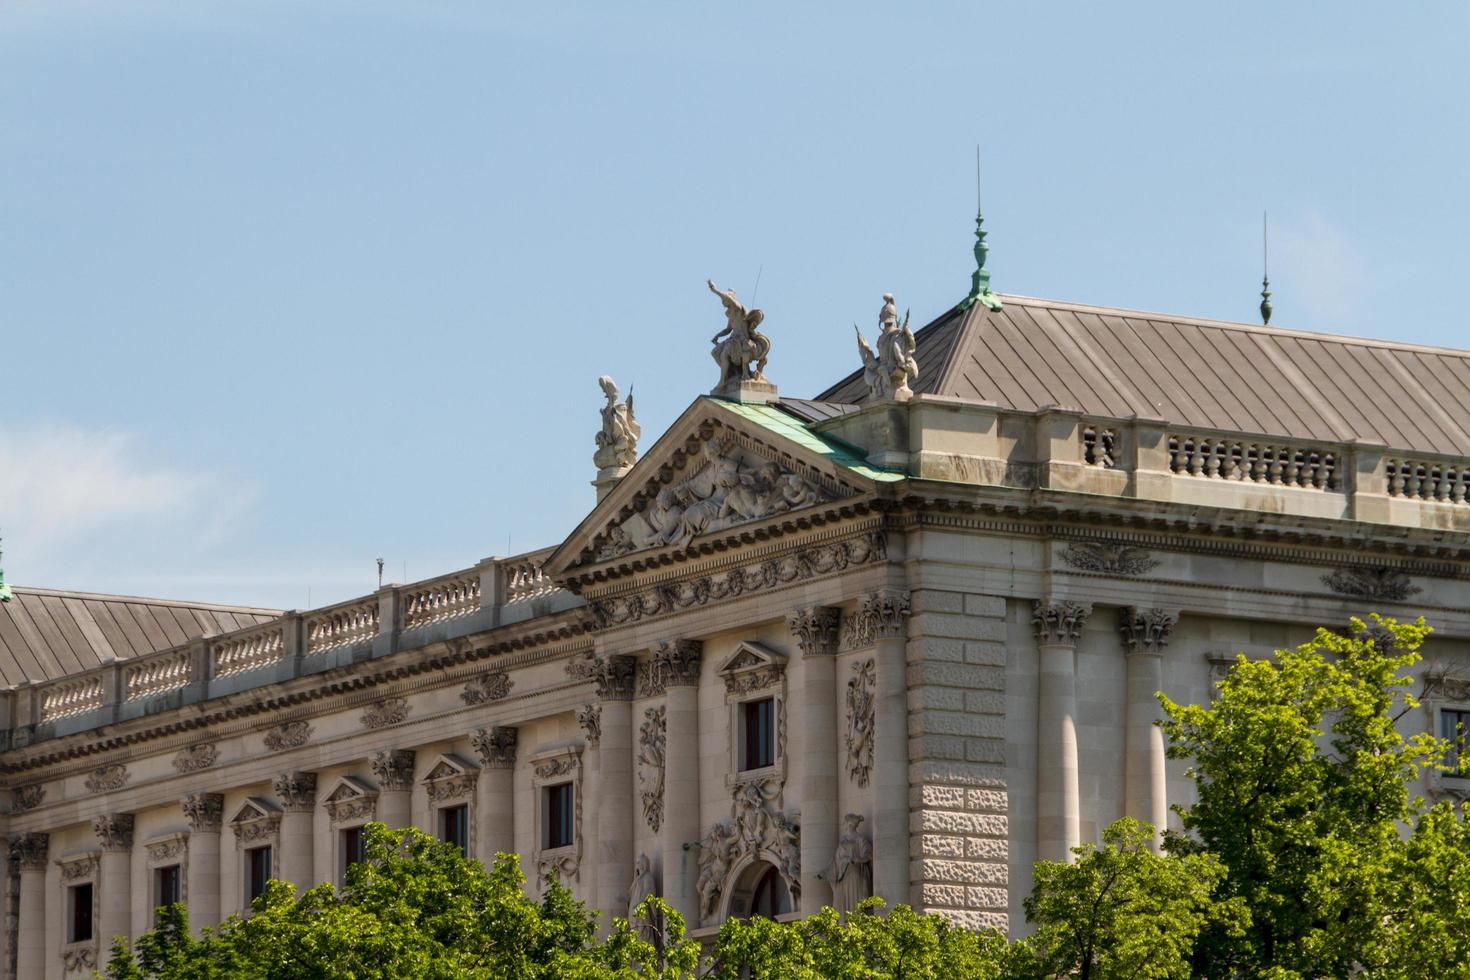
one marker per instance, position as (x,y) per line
(1230,324)
(144,600)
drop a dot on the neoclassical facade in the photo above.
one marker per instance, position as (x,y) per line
(899,639)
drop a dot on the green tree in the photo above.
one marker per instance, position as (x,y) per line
(1122,912)
(1427,933)
(1303,787)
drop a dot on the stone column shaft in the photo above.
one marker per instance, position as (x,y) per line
(1058,792)
(30,959)
(614,806)
(394,771)
(816,630)
(678,665)
(205,813)
(297,793)
(496,788)
(115,873)
(884,615)
(1145,635)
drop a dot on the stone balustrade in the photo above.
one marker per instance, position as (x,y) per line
(1442,481)
(1275,463)
(167,671)
(249,649)
(525,578)
(73,696)
(440,599)
(341,625)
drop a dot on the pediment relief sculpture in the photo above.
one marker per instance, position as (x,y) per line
(450,778)
(752,667)
(351,799)
(255,820)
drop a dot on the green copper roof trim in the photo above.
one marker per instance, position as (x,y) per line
(980,278)
(847,456)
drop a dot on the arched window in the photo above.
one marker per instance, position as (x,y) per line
(761,891)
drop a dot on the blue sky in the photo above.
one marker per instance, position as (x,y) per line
(289,286)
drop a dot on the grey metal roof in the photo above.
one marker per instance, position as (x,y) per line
(1209,374)
(812,411)
(48,633)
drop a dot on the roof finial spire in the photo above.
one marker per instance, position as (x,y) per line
(4,589)
(1265,276)
(980,278)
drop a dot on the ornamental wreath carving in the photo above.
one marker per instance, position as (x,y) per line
(196,757)
(381,714)
(652,735)
(107,779)
(24,798)
(287,735)
(1109,559)
(486,688)
(860,702)
(78,958)
(1371,583)
(562,765)
(82,867)
(172,847)
(808,563)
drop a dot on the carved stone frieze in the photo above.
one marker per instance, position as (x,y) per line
(114,831)
(381,714)
(652,738)
(817,630)
(589,716)
(204,811)
(30,850)
(1146,630)
(288,735)
(1058,622)
(486,688)
(1108,558)
(77,869)
(675,663)
(496,746)
(562,765)
(1371,583)
(879,615)
(196,757)
(295,789)
(702,590)
(614,676)
(861,699)
(393,768)
(168,848)
(107,779)
(24,798)
(79,957)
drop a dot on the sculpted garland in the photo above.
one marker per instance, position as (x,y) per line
(652,737)
(860,702)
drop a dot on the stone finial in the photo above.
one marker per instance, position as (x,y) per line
(296,790)
(30,850)
(617,440)
(816,629)
(496,746)
(205,812)
(741,350)
(675,664)
(1146,630)
(1058,622)
(114,831)
(393,768)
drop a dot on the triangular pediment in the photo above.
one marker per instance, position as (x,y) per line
(721,466)
(749,656)
(448,766)
(346,789)
(252,810)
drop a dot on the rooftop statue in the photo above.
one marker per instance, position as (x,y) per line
(740,349)
(617,442)
(888,372)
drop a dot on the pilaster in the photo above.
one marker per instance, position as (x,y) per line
(817,631)
(496,748)
(393,769)
(205,814)
(1058,625)
(115,837)
(1145,633)
(297,792)
(677,665)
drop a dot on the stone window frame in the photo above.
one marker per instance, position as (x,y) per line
(81,869)
(754,672)
(449,781)
(256,823)
(350,803)
(1447,694)
(555,766)
(162,851)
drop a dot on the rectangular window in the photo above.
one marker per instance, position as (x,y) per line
(257,872)
(166,887)
(351,848)
(1454,726)
(758,724)
(454,827)
(560,830)
(79,913)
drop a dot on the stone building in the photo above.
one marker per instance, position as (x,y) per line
(901,638)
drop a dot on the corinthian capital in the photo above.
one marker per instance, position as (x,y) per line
(30,850)
(296,789)
(205,812)
(816,629)
(675,664)
(394,768)
(114,831)
(1058,622)
(880,615)
(1146,630)
(613,676)
(496,746)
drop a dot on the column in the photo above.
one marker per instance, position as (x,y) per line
(297,793)
(30,956)
(676,664)
(816,632)
(884,616)
(115,876)
(496,748)
(1145,634)
(394,771)
(589,716)
(1058,794)
(205,813)
(614,805)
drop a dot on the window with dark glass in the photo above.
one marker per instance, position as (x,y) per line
(454,827)
(559,828)
(257,872)
(352,847)
(1454,727)
(758,731)
(79,913)
(166,887)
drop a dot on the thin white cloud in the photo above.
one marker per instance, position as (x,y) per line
(1316,267)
